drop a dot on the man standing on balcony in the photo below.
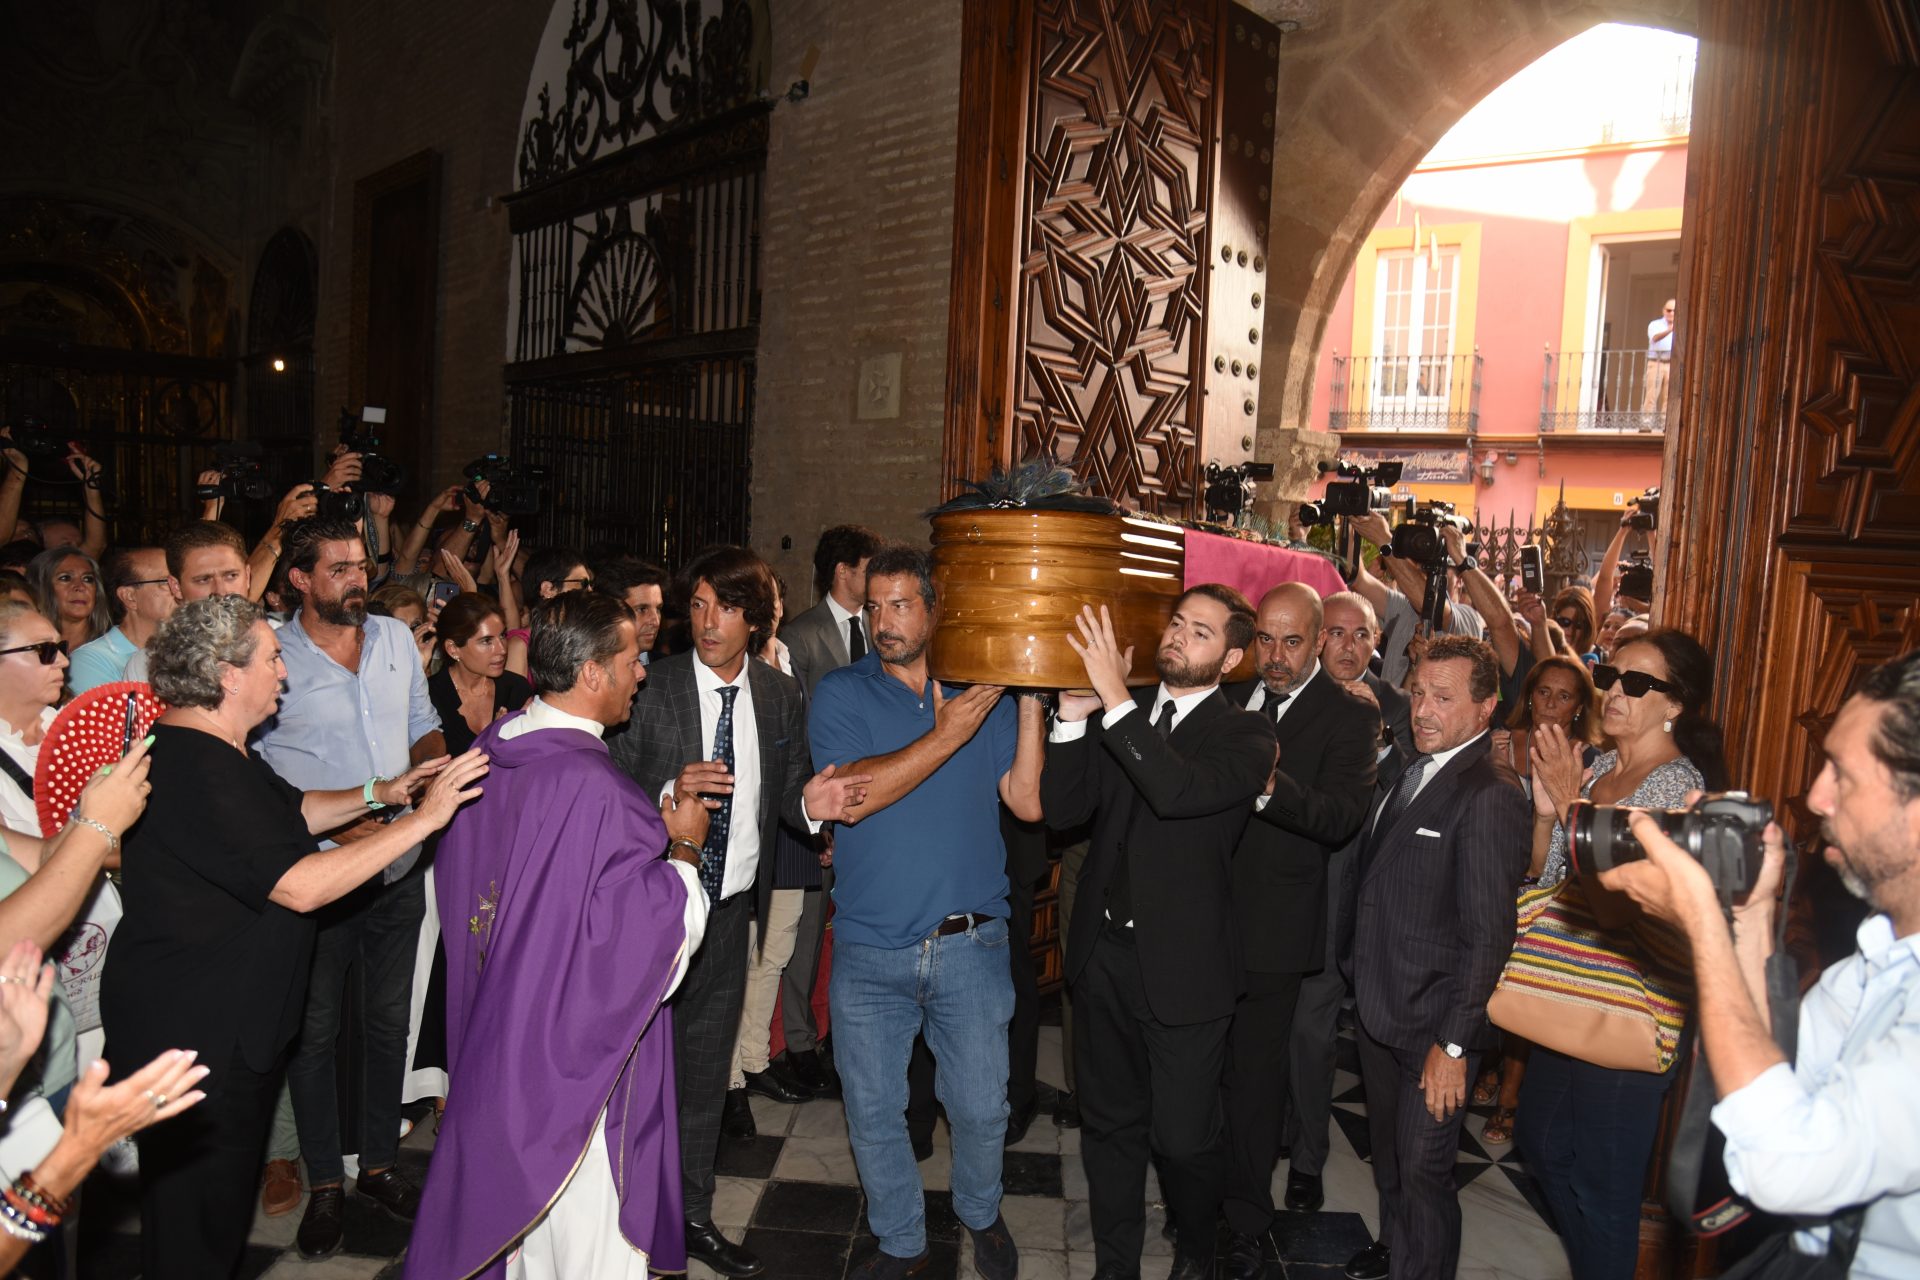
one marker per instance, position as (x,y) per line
(1659,362)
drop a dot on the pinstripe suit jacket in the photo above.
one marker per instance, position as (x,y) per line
(664,735)
(1435,917)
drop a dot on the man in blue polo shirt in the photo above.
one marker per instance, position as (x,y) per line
(920,912)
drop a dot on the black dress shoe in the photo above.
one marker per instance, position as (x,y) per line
(810,1071)
(1019,1121)
(392,1190)
(1305,1193)
(1245,1258)
(705,1242)
(922,1144)
(775,1083)
(1066,1112)
(1371,1263)
(736,1116)
(319,1234)
(1188,1267)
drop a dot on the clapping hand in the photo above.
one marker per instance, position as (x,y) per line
(99,1115)
(26,987)
(1558,773)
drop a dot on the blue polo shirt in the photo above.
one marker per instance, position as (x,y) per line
(936,851)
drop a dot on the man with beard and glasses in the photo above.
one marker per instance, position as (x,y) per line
(920,913)
(1314,801)
(1836,1131)
(1168,777)
(356,712)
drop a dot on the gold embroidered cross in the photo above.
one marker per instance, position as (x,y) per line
(480,924)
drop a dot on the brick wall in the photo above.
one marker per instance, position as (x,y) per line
(856,250)
(450,76)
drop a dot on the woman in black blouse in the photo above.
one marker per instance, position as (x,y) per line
(473,688)
(213,953)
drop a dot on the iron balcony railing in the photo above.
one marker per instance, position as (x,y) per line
(1406,393)
(1606,391)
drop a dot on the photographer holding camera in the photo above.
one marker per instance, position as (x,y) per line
(1834,1134)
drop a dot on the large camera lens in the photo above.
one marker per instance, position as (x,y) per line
(1721,831)
(1599,838)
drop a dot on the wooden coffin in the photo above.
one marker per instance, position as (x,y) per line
(1010,582)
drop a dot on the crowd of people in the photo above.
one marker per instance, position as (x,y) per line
(549,838)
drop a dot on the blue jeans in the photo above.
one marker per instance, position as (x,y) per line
(1587,1133)
(958,992)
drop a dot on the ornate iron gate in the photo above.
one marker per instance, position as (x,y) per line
(637,251)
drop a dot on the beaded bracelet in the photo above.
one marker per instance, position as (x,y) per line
(38,1216)
(17,1224)
(31,1188)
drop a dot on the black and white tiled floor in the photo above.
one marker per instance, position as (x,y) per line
(791,1194)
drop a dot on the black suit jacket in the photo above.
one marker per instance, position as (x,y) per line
(1396,713)
(1174,808)
(664,735)
(1435,915)
(1320,797)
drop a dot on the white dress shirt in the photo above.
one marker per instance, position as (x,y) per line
(1074,730)
(840,617)
(743,828)
(544,715)
(1257,701)
(1435,763)
(1841,1127)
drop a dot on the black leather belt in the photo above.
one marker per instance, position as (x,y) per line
(960,924)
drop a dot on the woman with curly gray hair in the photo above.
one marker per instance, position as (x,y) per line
(66,585)
(220,881)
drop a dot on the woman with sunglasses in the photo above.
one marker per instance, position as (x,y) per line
(66,584)
(1573,612)
(1587,1131)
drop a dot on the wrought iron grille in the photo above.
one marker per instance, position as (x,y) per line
(1600,391)
(1406,393)
(637,259)
(670,439)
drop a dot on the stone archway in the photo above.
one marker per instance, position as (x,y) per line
(1365,91)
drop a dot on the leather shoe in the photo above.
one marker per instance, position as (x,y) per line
(995,1256)
(810,1071)
(736,1116)
(880,1265)
(1371,1263)
(775,1083)
(319,1234)
(1066,1112)
(392,1190)
(1245,1259)
(705,1242)
(1019,1121)
(1188,1267)
(1305,1192)
(280,1188)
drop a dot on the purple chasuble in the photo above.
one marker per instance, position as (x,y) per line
(563,927)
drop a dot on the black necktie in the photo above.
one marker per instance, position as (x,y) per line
(856,642)
(1403,792)
(1275,701)
(1120,888)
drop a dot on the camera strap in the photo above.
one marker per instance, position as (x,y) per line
(1695,1139)
(21,778)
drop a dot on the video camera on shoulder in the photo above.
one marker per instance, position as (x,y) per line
(1647,517)
(1359,490)
(360,433)
(1419,541)
(242,473)
(512,490)
(1721,831)
(1636,577)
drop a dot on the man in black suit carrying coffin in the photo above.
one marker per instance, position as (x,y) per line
(1314,801)
(1439,868)
(1167,777)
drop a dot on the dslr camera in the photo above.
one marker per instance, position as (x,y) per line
(511,490)
(242,473)
(1419,538)
(1721,831)
(338,504)
(360,433)
(1357,491)
(39,439)
(1647,518)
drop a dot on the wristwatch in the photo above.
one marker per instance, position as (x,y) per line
(1451,1050)
(1468,565)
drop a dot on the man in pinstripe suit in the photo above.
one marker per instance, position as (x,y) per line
(1440,864)
(694,739)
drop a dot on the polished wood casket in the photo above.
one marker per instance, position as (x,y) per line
(1010,581)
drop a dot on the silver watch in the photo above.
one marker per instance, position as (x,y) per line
(1451,1050)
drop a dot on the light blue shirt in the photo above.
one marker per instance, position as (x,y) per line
(101,661)
(1841,1127)
(336,728)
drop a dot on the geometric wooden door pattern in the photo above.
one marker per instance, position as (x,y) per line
(1795,471)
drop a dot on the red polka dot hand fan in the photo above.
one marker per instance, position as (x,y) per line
(95,729)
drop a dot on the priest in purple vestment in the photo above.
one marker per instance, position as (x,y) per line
(570,907)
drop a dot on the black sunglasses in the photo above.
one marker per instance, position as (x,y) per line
(46,650)
(1568,623)
(1635,684)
